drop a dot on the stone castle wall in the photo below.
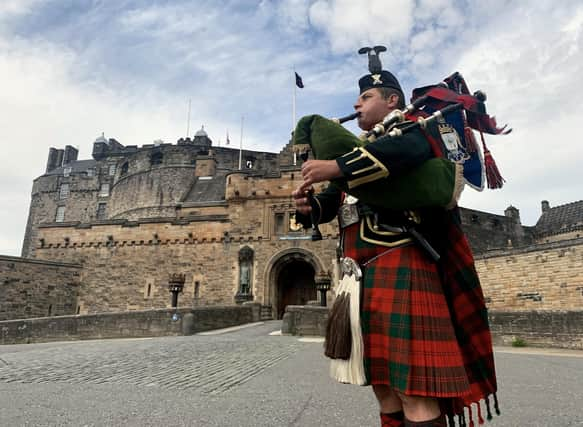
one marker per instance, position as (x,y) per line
(156,188)
(139,187)
(80,205)
(33,288)
(118,271)
(539,277)
(488,231)
(188,209)
(127,263)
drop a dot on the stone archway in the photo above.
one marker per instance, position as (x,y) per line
(290,279)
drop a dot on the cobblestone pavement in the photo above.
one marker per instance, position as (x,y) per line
(210,364)
(241,377)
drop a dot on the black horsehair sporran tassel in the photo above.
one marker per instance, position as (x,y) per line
(338,341)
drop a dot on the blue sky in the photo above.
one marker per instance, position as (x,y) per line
(70,70)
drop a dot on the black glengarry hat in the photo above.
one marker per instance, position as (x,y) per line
(377,77)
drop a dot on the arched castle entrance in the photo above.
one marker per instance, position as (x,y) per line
(291,275)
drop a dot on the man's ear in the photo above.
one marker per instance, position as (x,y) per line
(393,101)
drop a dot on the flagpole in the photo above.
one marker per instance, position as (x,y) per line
(294,101)
(188,119)
(294,111)
(241,145)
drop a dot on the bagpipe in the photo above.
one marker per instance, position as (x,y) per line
(452,112)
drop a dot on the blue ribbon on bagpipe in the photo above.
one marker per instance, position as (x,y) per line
(458,140)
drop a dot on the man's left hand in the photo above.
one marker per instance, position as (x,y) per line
(314,171)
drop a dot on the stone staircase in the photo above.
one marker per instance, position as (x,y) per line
(266,313)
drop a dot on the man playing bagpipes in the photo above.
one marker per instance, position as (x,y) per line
(425,338)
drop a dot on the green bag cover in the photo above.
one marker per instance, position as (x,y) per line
(435,183)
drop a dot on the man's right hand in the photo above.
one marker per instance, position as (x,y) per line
(300,196)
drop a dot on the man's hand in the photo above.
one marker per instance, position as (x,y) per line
(301,198)
(314,171)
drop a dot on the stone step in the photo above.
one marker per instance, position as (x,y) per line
(266,312)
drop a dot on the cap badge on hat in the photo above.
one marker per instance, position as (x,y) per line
(376,79)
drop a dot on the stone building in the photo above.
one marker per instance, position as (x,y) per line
(131,216)
(542,273)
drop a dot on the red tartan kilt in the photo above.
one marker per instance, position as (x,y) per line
(409,339)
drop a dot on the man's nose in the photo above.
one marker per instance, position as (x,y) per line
(357,105)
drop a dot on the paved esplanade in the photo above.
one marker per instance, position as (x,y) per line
(244,377)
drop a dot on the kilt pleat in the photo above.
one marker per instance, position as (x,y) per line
(409,340)
(420,337)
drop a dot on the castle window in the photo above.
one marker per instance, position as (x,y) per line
(279,222)
(148,289)
(475,219)
(112,169)
(60,215)
(67,171)
(104,190)
(64,191)
(90,172)
(245,270)
(197,289)
(249,164)
(156,158)
(101,210)
(124,169)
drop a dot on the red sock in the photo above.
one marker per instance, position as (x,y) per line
(394,419)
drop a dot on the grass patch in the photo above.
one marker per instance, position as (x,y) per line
(518,342)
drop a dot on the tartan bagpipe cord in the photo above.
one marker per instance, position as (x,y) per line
(424,325)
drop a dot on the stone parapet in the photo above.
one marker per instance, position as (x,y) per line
(134,324)
(305,320)
(561,329)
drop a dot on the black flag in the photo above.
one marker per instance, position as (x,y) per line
(299,82)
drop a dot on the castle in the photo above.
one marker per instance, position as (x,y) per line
(105,235)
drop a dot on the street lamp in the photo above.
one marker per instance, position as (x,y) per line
(323,284)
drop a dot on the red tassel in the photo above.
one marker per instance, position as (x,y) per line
(480,418)
(493,176)
(471,145)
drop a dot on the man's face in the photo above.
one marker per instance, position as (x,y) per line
(373,108)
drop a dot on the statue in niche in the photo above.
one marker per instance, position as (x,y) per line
(245,278)
(245,274)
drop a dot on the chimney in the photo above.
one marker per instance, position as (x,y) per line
(545,206)
(52,160)
(59,158)
(70,155)
(512,212)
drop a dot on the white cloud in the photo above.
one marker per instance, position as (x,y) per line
(531,73)
(350,25)
(45,108)
(10,8)
(292,16)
